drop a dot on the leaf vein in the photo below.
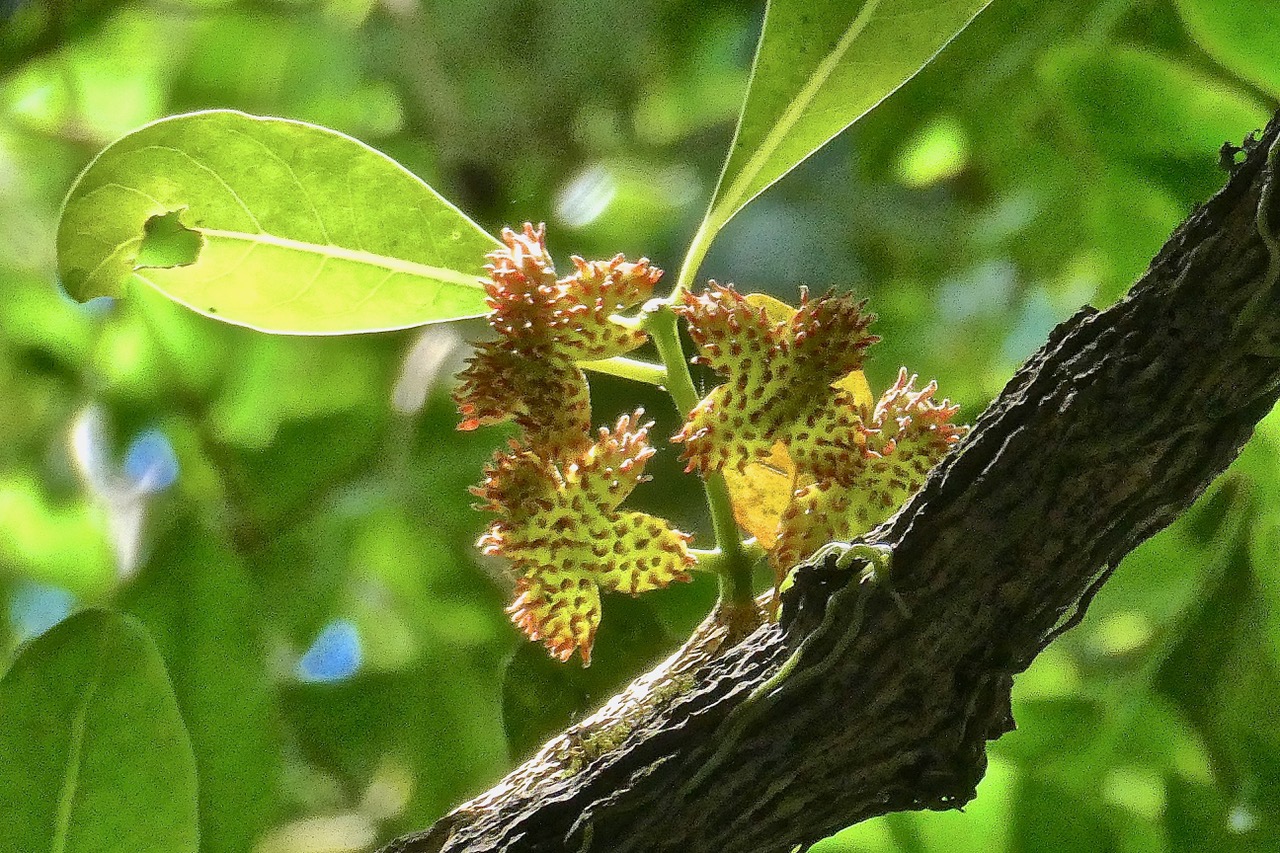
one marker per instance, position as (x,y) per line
(214,174)
(71,777)
(796,109)
(293,175)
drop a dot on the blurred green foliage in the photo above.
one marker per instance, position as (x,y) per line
(1036,165)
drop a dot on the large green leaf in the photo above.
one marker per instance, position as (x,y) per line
(820,66)
(277,225)
(1240,34)
(197,601)
(93,753)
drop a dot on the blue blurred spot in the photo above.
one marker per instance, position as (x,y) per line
(98,305)
(9,7)
(150,462)
(334,655)
(35,608)
(1036,319)
(95,307)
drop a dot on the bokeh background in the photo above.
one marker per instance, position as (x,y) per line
(289,517)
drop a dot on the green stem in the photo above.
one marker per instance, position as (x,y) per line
(735,564)
(665,335)
(735,580)
(709,561)
(693,259)
(628,368)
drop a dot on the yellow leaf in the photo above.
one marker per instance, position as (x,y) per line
(776,310)
(855,382)
(760,492)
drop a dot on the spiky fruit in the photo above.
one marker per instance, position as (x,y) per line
(547,398)
(919,426)
(545,325)
(905,436)
(779,375)
(560,526)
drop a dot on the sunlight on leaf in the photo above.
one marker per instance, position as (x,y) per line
(273,224)
(819,67)
(938,152)
(93,752)
(775,309)
(856,384)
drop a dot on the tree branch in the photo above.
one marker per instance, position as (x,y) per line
(1100,440)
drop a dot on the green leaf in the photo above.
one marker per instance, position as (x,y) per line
(1049,817)
(208,622)
(277,225)
(820,66)
(1241,35)
(93,753)
(440,719)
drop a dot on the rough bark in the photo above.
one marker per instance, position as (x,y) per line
(1109,432)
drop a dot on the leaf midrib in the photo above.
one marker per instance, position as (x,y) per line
(71,778)
(795,111)
(359,256)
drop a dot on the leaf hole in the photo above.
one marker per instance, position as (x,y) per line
(167,243)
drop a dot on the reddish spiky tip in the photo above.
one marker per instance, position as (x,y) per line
(778,378)
(560,610)
(545,326)
(560,526)
(909,417)
(829,336)
(537,315)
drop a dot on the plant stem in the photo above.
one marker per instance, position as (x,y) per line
(709,561)
(665,334)
(693,259)
(735,580)
(735,564)
(628,368)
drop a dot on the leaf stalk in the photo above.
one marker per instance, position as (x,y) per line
(734,564)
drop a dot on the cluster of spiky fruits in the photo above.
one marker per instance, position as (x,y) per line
(793,423)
